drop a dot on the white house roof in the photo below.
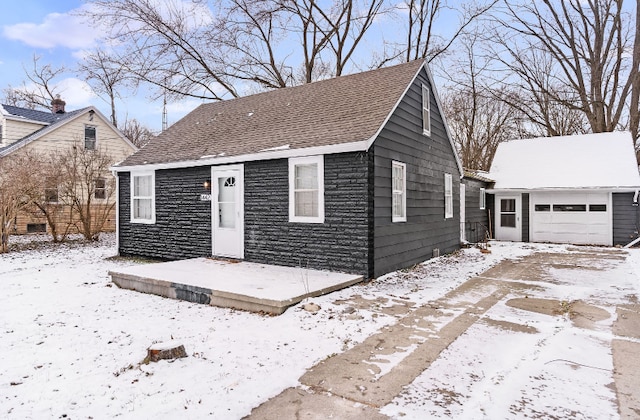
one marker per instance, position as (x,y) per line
(603,160)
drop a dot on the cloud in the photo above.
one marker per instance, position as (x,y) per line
(56,30)
(76,93)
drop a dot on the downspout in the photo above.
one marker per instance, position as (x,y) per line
(115,173)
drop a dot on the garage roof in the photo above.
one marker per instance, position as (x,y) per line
(603,160)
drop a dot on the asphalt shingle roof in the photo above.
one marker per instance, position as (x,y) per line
(342,110)
(53,121)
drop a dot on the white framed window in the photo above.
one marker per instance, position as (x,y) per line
(399,191)
(143,206)
(448,196)
(426,111)
(483,198)
(89,137)
(306,189)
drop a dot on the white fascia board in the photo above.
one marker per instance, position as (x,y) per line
(359,146)
(565,190)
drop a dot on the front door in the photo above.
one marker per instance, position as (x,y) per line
(227,209)
(509,220)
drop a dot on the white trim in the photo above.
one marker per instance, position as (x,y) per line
(152,220)
(359,146)
(403,166)
(483,199)
(319,161)
(448,196)
(426,109)
(566,189)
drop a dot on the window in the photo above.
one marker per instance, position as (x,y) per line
(51,190)
(448,196)
(306,189)
(508,212)
(569,207)
(399,191)
(483,198)
(36,227)
(597,207)
(143,198)
(542,207)
(426,111)
(89,137)
(100,190)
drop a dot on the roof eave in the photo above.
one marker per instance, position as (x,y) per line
(359,146)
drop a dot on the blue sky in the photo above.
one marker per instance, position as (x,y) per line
(46,28)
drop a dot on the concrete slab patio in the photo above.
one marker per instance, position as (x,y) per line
(232,284)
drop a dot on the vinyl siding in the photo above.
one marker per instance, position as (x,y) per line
(428,158)
(625,218)
(15,130)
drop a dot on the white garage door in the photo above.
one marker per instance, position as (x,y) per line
(574,218)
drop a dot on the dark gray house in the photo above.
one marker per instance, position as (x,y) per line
(356,174)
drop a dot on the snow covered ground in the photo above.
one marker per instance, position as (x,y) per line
(71,343)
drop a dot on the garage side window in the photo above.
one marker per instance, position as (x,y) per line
(306,189)
(508,212)
(143,197)
(483,198)
(399,187)
(448,196)
(426,111)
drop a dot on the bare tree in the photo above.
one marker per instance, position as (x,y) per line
(17,184)
(185,49)
(105,76)
(477,121)
(137,132)
(38,90)
(586,45)
(87,187)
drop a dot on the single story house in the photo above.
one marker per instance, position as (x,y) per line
(580,189)
(356,174)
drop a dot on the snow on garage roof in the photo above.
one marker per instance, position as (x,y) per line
(603,160)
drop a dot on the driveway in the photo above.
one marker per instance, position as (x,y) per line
(561,328)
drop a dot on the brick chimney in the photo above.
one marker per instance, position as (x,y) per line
(57,105)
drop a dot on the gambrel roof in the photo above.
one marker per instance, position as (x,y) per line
(587,161)
(342,114)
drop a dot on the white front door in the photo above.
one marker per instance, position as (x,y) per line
(227,210)
(509,219)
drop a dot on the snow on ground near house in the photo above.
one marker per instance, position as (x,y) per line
(72,343)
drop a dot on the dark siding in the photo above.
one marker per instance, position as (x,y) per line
(525,217)
(183,222)
(399,245)
(476,219)
(341,243)
(625,218)
(491,210)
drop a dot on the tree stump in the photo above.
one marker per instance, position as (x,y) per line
(167,350)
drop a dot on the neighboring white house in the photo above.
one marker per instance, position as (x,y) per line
(579,189)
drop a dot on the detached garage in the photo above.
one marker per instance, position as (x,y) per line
(571,189)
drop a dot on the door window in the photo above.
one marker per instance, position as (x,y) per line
(226,202)
(508,212)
